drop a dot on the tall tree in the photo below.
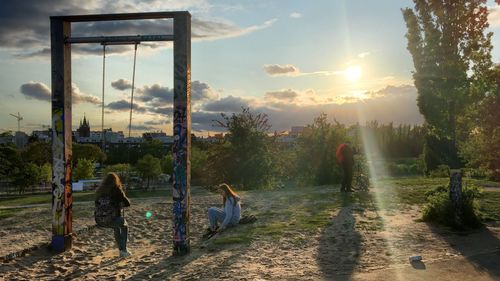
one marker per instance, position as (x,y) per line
(84,169)
(88,151)
(481,149)
(149,167)
(245,157)
(316,148)
(450,51)
(38,153)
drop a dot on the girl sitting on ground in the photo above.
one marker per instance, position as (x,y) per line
(110,199)
(231,214)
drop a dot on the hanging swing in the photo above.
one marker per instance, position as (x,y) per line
(103,87)
(131,99)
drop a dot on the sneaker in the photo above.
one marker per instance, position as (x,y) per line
(124,254)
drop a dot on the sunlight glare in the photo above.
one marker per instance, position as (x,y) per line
(353,73)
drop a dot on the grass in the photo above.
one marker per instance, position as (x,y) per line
(490,206)
(304,209)
(77,197)
(8,213)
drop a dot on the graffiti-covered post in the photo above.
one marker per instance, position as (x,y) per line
(61,135)
(456,193)
(182,132)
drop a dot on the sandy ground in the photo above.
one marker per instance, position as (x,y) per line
(360,242)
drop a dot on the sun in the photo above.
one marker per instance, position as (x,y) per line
(353,73)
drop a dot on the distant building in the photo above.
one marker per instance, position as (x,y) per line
(217,138)
(42,135)
(297,131)
(21,139)
(6,139)
(153,135)
(160,136)
(84,129)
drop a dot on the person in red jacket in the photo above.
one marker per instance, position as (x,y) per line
(345,158)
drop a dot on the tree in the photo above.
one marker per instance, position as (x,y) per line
(10,161)
(88,151)
(46,173)
(481,149)
(84,169)
(148,167)
(245,157)
(167,163)
(153,147)
(122,170)
(38,153)
(28,175)
(447,41)
(316,162)
(199,160)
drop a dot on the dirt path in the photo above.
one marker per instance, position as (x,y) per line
(315,234)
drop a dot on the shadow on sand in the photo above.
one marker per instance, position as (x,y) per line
(340,243)
(480,247)
(171,266)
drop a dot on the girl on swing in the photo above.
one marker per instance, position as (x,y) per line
(110,200)
(228,217)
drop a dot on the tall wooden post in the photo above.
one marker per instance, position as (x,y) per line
(62,199)
(182,133)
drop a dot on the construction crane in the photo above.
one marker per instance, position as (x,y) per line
(19,118)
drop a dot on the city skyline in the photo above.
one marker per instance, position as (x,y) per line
(291,61)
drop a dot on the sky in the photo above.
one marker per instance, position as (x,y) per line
(289,59)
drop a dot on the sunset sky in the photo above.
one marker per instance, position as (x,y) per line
(288,59)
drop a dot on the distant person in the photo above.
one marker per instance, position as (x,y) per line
(110,200)
(228,217)
(345,158)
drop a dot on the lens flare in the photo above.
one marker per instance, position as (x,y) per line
(148,214)
(377,171)
(353,73)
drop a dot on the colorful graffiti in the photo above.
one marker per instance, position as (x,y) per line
(180,208)
(62,199)
(58,174)
(182,133)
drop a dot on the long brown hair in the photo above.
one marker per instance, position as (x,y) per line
(110,185)
(228,191)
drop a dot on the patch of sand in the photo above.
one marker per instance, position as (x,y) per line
(359,243)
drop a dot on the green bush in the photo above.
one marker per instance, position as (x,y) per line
(441,171)
(477,173)
(440,209)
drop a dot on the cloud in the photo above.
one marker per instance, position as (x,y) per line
(291,70)
(494,16)
(167,111)
(121,84)
(213,30)
(40,91)
(79,97)
(285,95)
(295,15)
(291,107)
(156,95)
(123,105)
(142,128)
(201,91)
(363,55)
(36,90)
(281,70)
(227,104)
(390,104)
(156,122)
(30,35)
(204,121)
